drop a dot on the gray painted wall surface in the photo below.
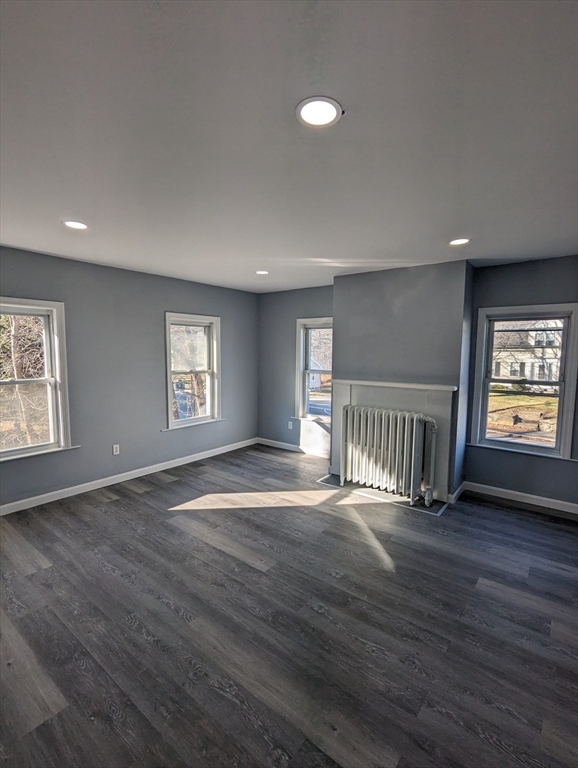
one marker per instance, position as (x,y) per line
(396,325)
(278,315)
(400,324)
(409,325)
(547,281)
(458,452)
(115,328)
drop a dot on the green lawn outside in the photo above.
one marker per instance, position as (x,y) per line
(539,403)
(527,417)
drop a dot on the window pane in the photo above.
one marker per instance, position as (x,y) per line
(189,396)
(319,342)
(524,413)
(527,349)
(24,415)
(318,394)
(189,348)
(22,354)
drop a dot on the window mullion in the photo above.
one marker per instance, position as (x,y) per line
(189,372)
(49,380)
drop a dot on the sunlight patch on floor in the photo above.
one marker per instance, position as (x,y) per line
(372,541)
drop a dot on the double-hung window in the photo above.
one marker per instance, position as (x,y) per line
(314,367)
(525,388)
(33,391)
(193,356)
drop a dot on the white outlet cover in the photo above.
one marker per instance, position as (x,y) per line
(290,425)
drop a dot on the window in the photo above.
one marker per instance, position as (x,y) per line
(532,408)
(193,356)
(314,354)
(33,394)
(545,339)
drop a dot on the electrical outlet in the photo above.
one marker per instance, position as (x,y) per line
(290,425)
(115,450)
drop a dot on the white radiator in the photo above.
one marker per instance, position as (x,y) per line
(387,450)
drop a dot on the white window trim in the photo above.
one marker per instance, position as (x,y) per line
(300,399)
(214,323)
(56,346)
(569,362)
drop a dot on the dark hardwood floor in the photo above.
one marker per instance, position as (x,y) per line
(237,613)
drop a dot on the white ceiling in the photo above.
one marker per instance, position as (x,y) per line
(169,128)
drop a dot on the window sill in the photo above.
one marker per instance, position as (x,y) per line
(520,449)
(38,453)
(195,423)
(322,419)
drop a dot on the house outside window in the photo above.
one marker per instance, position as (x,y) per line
(33,387)
(526,378)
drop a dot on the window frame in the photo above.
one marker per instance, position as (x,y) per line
(213,371)
(303,325)
(566,382)
(56,370)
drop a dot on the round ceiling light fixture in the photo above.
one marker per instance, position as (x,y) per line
(460,241)
(75,225)
(261,272)
(319,111)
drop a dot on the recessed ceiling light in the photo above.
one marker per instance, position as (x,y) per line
(261,272)
(460,241)
(75,224)
(319,111)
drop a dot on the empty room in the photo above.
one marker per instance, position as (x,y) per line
(288,384)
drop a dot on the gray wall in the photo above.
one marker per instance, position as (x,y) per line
(115,327)
(397,325)
(400,324)
(278,314)
(458,448)
(408,325)
(547,281)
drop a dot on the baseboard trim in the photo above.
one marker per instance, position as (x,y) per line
(453,497)
(289,447)
(568,507)
(278,444)
(63,493)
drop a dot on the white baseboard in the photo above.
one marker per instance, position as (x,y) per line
(567,507)
(290,447)
(453,497)
(278,444)
(64,493)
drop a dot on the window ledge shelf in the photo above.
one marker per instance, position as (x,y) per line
(322,419)
(191,424)
(38,453)
(516,449)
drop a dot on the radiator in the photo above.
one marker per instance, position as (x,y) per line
(387,450)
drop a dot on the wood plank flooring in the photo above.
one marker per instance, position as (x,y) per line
(236,613)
